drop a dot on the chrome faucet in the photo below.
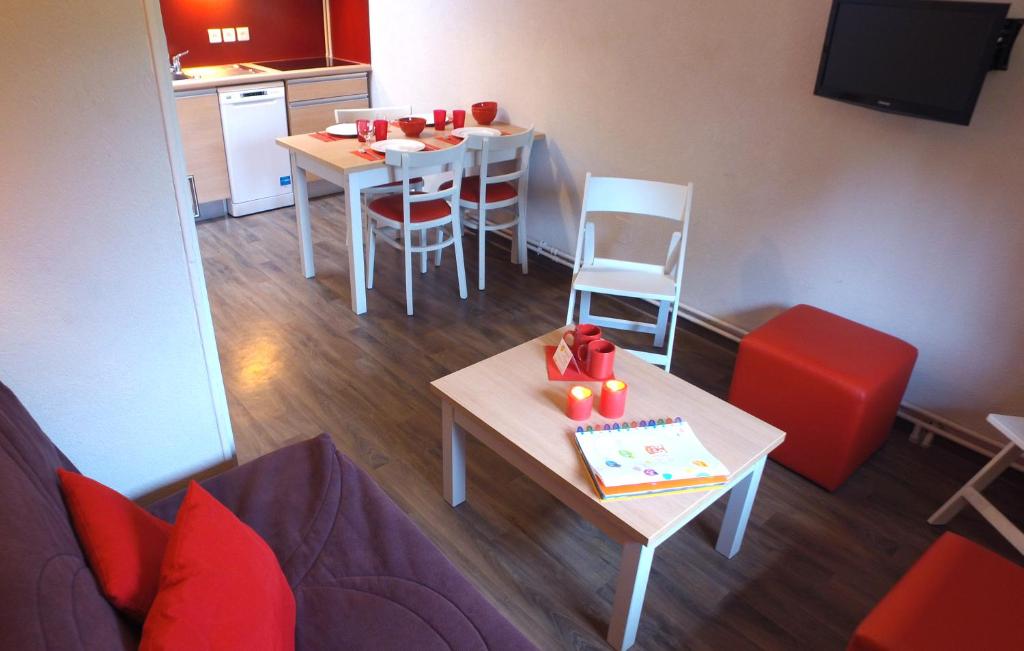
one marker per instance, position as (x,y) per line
(176,62)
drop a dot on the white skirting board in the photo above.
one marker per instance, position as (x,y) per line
(926,424)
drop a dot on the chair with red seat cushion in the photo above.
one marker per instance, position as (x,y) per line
(490,191)
(402,214)
(958,595)
(831,384)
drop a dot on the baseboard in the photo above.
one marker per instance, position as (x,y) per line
(926,424)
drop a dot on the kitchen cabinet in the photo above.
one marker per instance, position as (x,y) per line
(311,101)
(203,140)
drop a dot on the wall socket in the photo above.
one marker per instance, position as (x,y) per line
(229,34)
(214,35)
(242,33)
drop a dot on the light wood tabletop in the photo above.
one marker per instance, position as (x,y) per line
(339,154)
(508,404)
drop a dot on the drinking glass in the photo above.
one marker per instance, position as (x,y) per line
(365,132)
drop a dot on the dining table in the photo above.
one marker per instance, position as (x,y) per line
(338,159)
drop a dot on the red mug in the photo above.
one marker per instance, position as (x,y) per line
(380,130)
(581,336)
(440,117)
(458,118)
(598,357)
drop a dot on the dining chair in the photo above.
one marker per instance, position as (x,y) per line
(488,191)
(375,113)
(397,216)
(627,278)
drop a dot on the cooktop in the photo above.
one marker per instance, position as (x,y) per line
(301,64)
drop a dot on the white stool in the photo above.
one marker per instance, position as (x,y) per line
(1013,428)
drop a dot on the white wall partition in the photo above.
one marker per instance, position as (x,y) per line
(105,331)
(909,226)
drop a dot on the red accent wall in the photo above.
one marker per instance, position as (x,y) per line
(278,29)
(350,29)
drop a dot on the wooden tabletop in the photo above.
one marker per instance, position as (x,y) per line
(339,153)
(511,395)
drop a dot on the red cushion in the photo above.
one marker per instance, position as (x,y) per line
(833,385)
(390,207)
(221,586)
(470,190)
(958,595)
(123,543)
(413,181)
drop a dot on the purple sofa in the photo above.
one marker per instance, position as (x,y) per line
(364,576)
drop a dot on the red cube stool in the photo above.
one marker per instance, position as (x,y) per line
(831,384)
(957,596)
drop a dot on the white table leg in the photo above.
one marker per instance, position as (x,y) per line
(356,270)
(979,482)
(300,189)
(741,500)
(630,588)
(453,444)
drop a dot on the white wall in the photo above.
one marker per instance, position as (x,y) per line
(910,226)
(100,333)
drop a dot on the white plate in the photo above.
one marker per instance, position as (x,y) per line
(344,129)
(475,131)
(399,144)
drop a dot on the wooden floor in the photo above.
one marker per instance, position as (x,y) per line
(298,362)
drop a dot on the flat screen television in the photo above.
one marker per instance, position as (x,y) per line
(926,59)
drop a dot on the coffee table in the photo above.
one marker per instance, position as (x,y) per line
(508,404)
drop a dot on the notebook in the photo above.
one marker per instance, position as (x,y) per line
(647,458)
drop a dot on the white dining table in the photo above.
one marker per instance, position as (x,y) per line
(337,161)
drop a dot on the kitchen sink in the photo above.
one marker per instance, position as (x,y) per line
(219,72)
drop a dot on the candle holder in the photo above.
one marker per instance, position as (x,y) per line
(580,404)
(613,398)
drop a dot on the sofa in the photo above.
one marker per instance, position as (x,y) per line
(363,575)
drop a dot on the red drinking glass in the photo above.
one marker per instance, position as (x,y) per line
(440,117)
(458,119)
(380,130)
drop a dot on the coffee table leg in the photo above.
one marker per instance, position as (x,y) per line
(741,500)
(634,569)
(453,443)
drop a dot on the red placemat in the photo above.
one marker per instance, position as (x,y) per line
(326,137)
(369,155)
(571,373)
(451,140)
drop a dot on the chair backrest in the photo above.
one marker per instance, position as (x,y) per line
(642,198)
(488,146)
(450,159)
(377,112)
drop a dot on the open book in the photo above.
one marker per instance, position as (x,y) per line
(647,458)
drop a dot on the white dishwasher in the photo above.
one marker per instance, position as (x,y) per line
(259,171)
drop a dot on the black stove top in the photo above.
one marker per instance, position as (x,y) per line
(301,64)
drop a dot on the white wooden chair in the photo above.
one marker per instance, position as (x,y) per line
(484,192)
(627,278)
(1012,427)
(377,112)
(399,215)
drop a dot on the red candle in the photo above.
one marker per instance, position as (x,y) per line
(581,403)
(613,398)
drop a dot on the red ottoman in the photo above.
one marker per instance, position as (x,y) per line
(831,384)
(957,596)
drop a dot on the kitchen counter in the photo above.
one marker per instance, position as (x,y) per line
(265,75)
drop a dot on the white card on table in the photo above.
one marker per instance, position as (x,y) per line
(563,356)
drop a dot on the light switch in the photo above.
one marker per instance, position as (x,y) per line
(242,33)
(229,34)
(214,35)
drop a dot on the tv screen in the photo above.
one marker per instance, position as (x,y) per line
(926,59)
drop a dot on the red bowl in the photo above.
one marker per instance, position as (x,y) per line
(412,127)
(485,112)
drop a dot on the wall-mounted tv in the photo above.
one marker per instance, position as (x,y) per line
(926,59)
